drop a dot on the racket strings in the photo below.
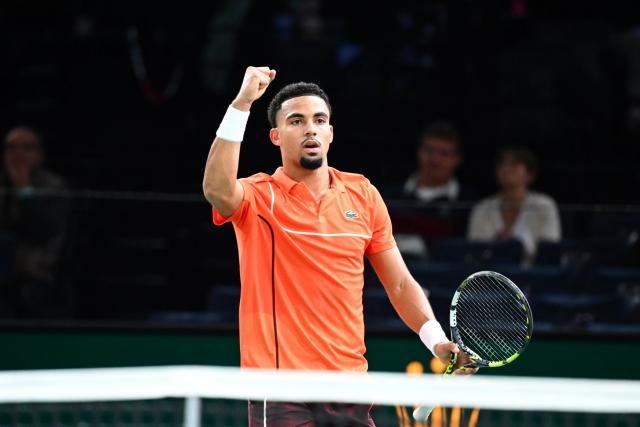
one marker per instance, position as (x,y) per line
(488,344)
(490,336)
(491,319)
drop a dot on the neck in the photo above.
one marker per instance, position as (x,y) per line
(514,196)
(317,180)
(425,180)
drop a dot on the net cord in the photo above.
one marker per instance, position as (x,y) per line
(490,392)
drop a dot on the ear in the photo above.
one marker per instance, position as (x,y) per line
(331,137)
(274,136)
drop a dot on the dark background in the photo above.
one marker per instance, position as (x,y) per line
(560,78)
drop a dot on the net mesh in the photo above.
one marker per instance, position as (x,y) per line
(219,412)
(492,317)
(207,396)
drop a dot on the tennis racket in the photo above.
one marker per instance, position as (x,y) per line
(490,320)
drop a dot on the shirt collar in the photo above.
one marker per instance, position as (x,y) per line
(286,182)
(451,189)
(336,182)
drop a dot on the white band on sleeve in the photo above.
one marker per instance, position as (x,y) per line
(431,333)
(233,125)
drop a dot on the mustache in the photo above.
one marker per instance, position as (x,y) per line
(312,140)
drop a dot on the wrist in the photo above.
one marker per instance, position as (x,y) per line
(431,334)
(240,104)
(233,124)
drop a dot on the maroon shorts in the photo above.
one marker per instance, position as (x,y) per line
(289,414)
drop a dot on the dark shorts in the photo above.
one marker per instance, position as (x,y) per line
(290,414)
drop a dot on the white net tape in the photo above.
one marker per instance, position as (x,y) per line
(490,392)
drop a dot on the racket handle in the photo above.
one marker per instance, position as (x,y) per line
(421,413)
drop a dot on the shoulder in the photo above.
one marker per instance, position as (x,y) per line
(257,184)
(354,181)
(542,200)
(47,179)
(350,177)
(487,203)
(257,178)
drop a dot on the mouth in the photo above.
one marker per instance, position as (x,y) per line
(311,146)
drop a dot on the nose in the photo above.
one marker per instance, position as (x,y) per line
(310,129)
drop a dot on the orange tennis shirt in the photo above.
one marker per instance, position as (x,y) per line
(301,270)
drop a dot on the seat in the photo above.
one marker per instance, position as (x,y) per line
(614,224)
(567,252)
(378,311)
(614,251)
(476,253)
(7,249)
(223,302)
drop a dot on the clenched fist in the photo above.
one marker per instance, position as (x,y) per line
(255,82)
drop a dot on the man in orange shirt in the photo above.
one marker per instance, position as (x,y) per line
(302,235)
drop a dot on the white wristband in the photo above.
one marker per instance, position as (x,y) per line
(233,125)
(431,333)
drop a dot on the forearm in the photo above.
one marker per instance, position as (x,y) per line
(411,303)
(221,171)
(220,183)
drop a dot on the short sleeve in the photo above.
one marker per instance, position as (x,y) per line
(382,233)
(480,222)
(549,225)
(240,214)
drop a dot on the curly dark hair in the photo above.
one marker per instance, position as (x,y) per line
(520,154)
(294,90)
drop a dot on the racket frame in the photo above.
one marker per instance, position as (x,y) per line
(456,337)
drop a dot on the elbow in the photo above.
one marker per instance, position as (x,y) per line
(208,191)
(216,196)
(396,289)
(213,193)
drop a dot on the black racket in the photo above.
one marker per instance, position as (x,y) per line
(490,320)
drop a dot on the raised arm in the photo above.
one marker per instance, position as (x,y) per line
(220,183)
(412,305)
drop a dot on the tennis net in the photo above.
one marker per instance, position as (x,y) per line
(195,396)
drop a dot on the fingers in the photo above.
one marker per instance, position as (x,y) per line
(265,74)
(444,349)
(264,70)
(464,364)
(453,348)
(255,82)
(464,370)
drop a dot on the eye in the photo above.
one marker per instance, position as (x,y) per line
(296,122)
(321,120)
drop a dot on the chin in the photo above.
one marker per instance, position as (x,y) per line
(311,163)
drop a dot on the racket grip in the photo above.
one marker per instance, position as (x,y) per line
(421,413)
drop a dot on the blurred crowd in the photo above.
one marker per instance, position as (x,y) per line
(527,177)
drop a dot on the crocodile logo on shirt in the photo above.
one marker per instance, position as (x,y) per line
(351,214)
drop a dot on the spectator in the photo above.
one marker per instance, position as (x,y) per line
(442,212)
(438,157)
(35,223)
(516,212)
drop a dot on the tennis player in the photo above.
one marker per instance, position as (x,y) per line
(302,234)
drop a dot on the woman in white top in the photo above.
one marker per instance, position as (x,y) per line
(515,212)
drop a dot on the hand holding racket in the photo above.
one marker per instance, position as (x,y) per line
(490,321)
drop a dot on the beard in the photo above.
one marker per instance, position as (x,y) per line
(311,163)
